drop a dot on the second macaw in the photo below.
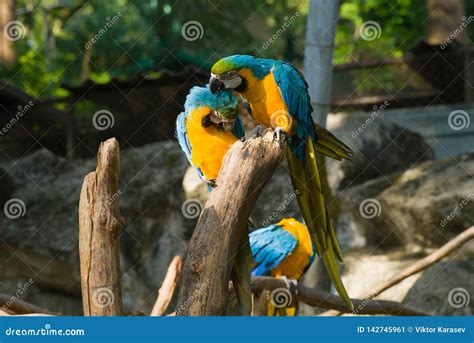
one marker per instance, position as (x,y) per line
(283,250)
(206,130)
(278,97)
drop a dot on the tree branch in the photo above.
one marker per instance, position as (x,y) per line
(207,268)
(100,223)
(417,267)
(20,306)
(322,299)
(165,294)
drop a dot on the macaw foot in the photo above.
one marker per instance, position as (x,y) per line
(211,183)
(279,133)
(289,282)
(242,139)
(257,132)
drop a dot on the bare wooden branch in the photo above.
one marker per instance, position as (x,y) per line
(322,299)
(11,305)
(419,266)
(100,223)
(207,268)
(165,294)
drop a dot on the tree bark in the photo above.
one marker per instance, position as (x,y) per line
(7,51)
(210,256)
(100,223)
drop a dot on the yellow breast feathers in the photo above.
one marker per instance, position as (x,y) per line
(208,144)
(268,107)
(295,264)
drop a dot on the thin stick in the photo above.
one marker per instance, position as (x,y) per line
(100,223)
(20,306)
(322,299)
(417,267)
(165,294)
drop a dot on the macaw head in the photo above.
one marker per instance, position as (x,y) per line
(223,106)
(225,73)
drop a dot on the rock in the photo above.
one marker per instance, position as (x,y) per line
(428,291)
(42,244)
(380,148)
(426,205)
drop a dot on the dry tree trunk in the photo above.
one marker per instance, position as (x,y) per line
(99,230)
(207,267)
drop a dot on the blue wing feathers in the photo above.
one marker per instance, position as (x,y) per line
(182,136)
(294,91)
(269,247)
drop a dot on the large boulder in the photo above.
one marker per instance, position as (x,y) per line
(443,289)
(42,244)
(424,205)
(380,148)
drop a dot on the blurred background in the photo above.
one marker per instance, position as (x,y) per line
(74,73)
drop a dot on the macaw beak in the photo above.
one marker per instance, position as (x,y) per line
(215,84)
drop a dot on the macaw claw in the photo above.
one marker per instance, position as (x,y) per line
(279,133)
(212,183)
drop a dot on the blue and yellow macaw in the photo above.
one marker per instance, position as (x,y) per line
(206,130)
(283,250)
(278,97)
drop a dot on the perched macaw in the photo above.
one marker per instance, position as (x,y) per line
(278,97)
(207,128)
(282,250)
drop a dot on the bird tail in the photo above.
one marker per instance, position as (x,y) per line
(241,276)
(306,179)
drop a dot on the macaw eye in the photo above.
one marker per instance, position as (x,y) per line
(232,74)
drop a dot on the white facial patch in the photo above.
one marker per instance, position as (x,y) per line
(232,83)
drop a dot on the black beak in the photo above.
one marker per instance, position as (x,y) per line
(215,84)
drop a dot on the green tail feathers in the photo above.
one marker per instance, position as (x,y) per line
(328,145)
(241,276)
(306,179)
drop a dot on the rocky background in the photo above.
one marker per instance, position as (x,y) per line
(396,205)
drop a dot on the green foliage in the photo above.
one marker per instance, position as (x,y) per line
(69,41)
(402,24)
